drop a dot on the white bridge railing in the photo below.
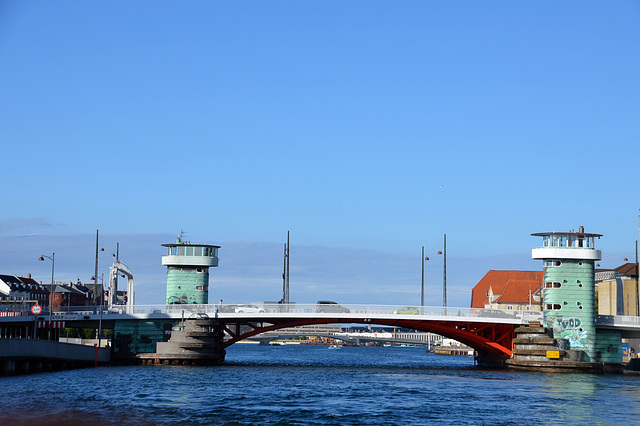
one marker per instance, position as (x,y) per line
(267,310)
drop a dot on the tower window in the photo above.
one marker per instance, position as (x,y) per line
(552,263)
(553,307)
(552,285)
(199,270)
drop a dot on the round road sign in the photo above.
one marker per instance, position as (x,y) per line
(36,309)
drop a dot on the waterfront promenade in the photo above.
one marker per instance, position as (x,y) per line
(22,356)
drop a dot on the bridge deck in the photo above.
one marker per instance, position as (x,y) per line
(630,326)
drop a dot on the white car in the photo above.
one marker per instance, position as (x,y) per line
(250,309)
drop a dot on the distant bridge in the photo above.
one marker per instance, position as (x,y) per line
(357,338)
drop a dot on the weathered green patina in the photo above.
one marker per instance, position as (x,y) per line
(188,271)
(568,297)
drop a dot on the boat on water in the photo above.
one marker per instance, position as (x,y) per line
(335,346)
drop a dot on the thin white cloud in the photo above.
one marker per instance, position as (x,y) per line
(13,226)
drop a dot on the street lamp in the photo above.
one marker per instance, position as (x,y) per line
(95,282)
(53,263)
(422,288)
(444,275)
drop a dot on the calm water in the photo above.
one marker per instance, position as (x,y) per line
(304,385)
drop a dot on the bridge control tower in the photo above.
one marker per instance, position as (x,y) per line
(568,296)
(188,271)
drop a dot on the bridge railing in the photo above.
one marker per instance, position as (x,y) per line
(618,320)
(347,310)
(269,309)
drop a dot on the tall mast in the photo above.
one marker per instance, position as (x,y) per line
(444,275)
(288,260)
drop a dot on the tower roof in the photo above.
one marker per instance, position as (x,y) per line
(579,233)
(189,244)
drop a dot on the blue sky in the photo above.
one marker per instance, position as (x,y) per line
(367,129)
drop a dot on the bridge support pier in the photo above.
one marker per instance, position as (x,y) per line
(194,341)
(537,350)
(489,361)
(197,343)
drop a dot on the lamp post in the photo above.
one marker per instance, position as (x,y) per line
(100,293)
(444,276)
(422,287)
(53,263)
(101,298)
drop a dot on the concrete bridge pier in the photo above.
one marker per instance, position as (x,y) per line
(198,342)
(193,341)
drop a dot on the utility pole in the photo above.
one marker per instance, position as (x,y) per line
(637,273)
(444,275)
(284,274)
(422,288)
(288,260)
(95,282)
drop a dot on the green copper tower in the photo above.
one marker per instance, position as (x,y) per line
(568,297)
(188,271)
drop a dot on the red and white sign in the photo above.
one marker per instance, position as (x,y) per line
(36,309)
(52,324)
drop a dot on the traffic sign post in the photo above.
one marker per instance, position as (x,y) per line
(35,310)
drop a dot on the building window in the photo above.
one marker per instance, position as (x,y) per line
(552,285)
(202,288)
(553,307)
(552,263)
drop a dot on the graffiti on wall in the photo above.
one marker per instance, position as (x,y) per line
(571,330)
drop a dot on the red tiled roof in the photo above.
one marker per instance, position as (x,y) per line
(497,280)
(517,291)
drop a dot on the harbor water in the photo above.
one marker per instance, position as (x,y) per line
(317,385)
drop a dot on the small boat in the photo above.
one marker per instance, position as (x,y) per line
(335,346)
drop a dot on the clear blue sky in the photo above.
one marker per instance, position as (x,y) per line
(366,128)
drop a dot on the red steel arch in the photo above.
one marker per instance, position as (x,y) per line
(488,338)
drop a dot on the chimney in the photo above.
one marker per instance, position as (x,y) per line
(29,275)
(582,229)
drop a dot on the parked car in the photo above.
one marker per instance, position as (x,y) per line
(496,313)
(248,309)
(407,310)
(327,306)
(227,309)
